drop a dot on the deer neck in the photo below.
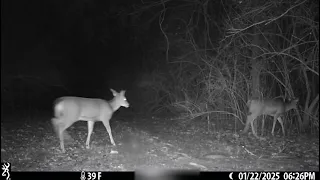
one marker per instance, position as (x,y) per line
(289,106)
(114,104)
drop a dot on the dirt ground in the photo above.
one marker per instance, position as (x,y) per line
(30,144)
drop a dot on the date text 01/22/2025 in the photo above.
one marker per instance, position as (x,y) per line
(275,175)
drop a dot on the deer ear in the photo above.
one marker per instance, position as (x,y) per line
(113,92)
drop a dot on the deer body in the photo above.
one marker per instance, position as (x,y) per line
(69,110)
(272,107)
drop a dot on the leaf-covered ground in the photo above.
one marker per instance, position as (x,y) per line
(30,144)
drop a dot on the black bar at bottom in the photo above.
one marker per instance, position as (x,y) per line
(183,175)
(69,175)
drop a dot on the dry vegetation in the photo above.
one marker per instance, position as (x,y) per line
(265,49)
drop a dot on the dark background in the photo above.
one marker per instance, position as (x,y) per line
(82,42)
(81,48)
(55,48)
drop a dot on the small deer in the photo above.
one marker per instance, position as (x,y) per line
(272,107)
(69,110)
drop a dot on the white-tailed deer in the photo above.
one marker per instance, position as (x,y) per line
(68,110)
(272,107)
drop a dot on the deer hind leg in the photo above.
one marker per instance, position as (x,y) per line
(274,124)
(56,122)
(281,123)
(253,129)
(62,141)
(90,129)
(61,125)
(107,125)
(59,130)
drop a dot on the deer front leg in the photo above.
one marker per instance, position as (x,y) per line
(90,129)
(107,126)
